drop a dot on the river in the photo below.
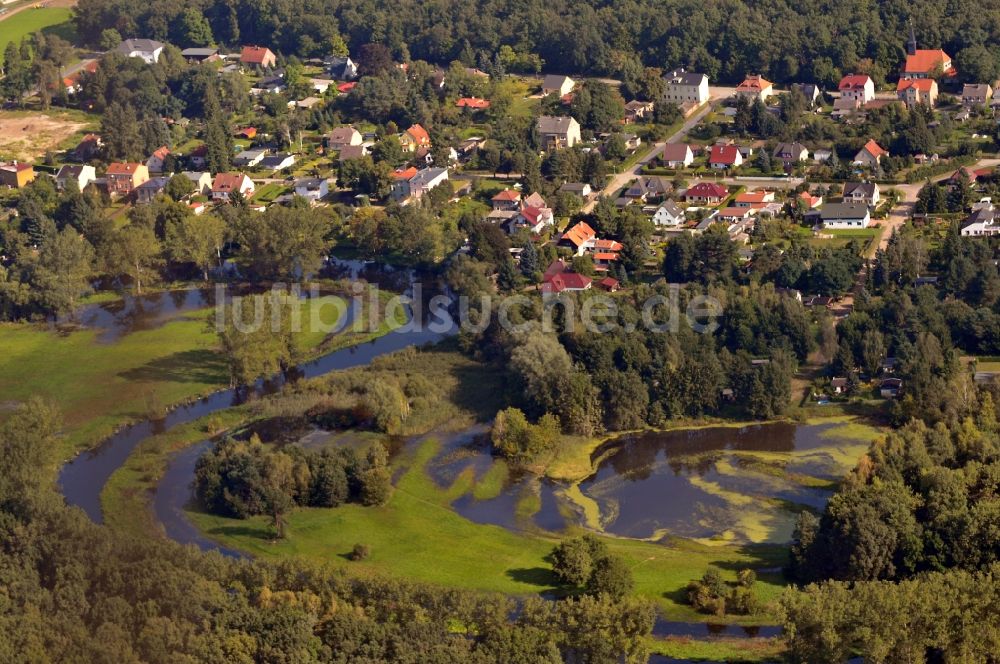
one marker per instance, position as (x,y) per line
(82,479)
(633,458)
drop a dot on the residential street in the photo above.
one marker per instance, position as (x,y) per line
(619,180)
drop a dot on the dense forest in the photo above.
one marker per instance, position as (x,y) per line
(783,40)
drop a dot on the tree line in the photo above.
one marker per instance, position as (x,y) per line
(815,42)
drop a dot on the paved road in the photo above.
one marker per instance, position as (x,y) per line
(619,180)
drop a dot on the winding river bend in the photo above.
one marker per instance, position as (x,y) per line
(82,479)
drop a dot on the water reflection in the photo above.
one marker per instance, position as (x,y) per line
(700,483)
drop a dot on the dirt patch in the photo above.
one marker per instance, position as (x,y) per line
(29,136)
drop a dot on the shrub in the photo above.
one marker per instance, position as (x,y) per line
(359,552)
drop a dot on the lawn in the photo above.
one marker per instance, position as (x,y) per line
(140,374)
(417,536)
(51,20)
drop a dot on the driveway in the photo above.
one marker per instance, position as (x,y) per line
(619,180)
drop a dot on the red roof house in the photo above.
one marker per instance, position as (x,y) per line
(415,137)
(725,156)
(473,103)
(258,56)
(567,281)
(706,192)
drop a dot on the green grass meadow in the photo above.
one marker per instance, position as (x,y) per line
(50,20)
(141,374)
(418,536)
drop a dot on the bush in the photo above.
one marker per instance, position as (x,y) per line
(710,594)
(585,563)
(519,440)
(613,577)
(573,560)
(359,552)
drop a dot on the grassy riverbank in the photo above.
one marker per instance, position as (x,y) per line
(418,535)
(140,374)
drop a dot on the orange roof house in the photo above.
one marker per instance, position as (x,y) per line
(472,102)
(915,91)
(870,154)
(415,137)
(258,56)
(810,200)
(508,199)
(923,63)
(754,198)
(580,237)
(404,173)
(755,86)
(123,177)
(247,132)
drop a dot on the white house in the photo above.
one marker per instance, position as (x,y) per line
(983,221)
(157,160)
(553,84)
(278,162)
(845,215)
(312,188)
(669,214)
(249,158)
(859,88)
(226,183)
(147,49)
(677,155)
(418,185)
(685,86)
(862,192)
(558,131)
(870,155)
(82,174)
(202,181)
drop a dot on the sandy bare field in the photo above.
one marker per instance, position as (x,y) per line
(27,136)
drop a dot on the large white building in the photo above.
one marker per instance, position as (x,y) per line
(685,86)
(147,49)
(983,221)
(845,215)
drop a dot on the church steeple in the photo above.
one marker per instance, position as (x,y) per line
(912,46)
